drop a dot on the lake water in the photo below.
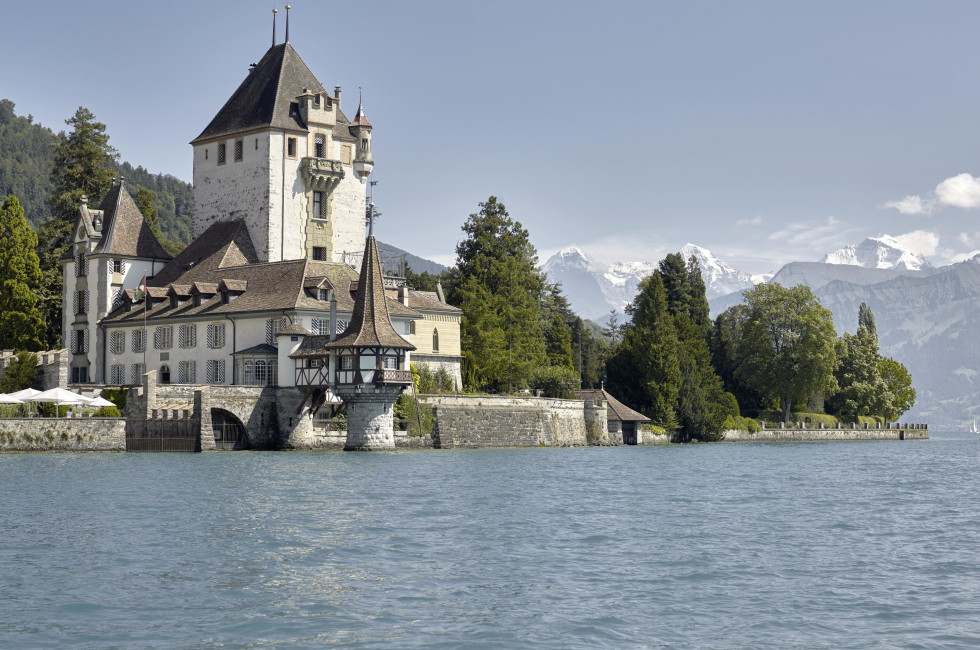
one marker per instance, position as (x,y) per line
(809,545)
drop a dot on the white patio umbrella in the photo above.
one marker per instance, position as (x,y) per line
(22,395)
(99,402)
(59,396)
(9,399)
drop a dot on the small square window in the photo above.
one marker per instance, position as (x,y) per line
(221,154)
(320,255)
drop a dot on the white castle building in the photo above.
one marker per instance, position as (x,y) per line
(280,177)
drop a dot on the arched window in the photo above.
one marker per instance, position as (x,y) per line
(247,373)
(164,374)
(260,373)
(435,340)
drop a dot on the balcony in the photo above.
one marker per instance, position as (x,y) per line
(319,377)
(322,174)
(389,376)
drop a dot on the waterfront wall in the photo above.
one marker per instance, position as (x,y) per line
(63,434)
(804,434)
(495,421)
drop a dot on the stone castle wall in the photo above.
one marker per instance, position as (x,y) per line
(63,434)
(492,421)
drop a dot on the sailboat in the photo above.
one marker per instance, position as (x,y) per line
(974,429)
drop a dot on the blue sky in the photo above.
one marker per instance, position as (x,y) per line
(766,132)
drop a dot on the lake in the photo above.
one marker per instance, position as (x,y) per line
(729,545)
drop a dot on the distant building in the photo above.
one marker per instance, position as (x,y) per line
(279,203)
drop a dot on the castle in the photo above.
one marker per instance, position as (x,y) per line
(280,177)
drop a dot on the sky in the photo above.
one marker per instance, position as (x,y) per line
(767,132)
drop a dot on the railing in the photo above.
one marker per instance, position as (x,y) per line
(389,376)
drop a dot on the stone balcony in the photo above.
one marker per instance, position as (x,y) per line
(322,174)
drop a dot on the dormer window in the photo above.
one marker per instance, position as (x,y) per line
(322,294)
(174,303)
(316,99)
(224,297)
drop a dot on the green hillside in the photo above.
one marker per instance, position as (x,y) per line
(26,155)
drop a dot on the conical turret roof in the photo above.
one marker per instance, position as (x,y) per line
(370,325)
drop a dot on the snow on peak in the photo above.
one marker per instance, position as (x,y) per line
(883,252)
(719,277)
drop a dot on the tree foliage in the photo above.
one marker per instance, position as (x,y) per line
(21,373)
(21,323)
(861,388)
(497,284)
(644,371)
(899,382)
(787,347)
(83,164)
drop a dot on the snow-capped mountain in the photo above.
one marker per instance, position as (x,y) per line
(878,253)
(595,288)
(719,277)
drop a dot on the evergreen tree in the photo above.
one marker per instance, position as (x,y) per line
(862,390)
(83,165)
(644,371)
(21,323)
(498,286)
(559,343)
(144,202)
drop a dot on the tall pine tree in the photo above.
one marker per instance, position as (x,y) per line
(21,324)
(83,165)
(498,286)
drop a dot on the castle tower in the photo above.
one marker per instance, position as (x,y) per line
(282,156)
(361,129)
(367,362)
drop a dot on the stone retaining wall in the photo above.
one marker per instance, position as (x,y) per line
(492,421)
(913,432)
(63,434)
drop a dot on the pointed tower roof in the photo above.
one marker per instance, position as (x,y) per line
(124,230)
(370,325)
(266,98)
(360,119)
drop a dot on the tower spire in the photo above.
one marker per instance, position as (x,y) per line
(274,12)
(287,22)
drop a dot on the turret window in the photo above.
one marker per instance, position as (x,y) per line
(319,146)
(221,154)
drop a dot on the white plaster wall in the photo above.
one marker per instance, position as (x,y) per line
(286,181)
(235,190)
(348,214)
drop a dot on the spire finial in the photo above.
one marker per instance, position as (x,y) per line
(371,219)
(274,12)
(287,22)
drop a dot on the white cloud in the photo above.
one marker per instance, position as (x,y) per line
(921,241)
(820,236)
(754,221)
(909,205)
(960,191)
(962,257)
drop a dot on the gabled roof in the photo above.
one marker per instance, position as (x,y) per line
(615,410)
(267,96)
(224,244)
(124,230)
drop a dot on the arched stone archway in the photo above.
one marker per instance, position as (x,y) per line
(229,432)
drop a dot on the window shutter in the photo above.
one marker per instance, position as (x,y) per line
(221,371)
(193,371)
(157,338)
(268,331)
(85,341)
(73,341)
(74,303)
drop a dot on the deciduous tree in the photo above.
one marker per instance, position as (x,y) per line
(788,344)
